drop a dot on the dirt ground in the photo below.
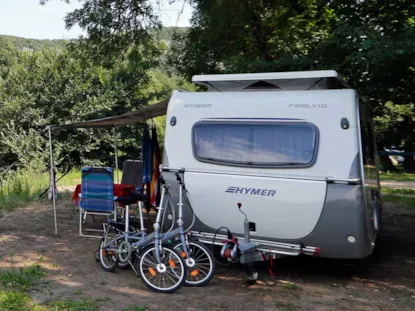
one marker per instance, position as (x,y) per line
(301,283)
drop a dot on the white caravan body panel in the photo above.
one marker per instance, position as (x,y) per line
(284,202)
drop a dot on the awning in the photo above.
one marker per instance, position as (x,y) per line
(148,112)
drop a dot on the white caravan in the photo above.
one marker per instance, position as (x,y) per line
(295,148)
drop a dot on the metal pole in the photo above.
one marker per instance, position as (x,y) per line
(51,172)
(116,156)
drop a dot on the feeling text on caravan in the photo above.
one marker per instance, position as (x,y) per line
(253,191)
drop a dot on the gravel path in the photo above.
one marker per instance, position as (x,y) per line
(397,184)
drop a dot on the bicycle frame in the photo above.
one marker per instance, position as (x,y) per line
(180,231)
(141,238)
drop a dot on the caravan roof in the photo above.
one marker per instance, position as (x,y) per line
(274,81)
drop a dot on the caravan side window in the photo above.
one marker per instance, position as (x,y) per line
(255,144)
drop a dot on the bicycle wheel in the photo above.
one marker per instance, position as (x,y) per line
(204,263)
(108,260)
(167,277)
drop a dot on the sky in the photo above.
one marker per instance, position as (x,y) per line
(29,19)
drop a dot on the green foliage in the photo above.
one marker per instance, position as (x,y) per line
(15,283)
(402,191)
(21,279)
(14,300)
(71,305)
(397,176)
(400,201)
(113,28)
(49,88)
(8,56)
(22,186)
(393,125)
(25,44)
(241,36)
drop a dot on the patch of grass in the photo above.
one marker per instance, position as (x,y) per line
(13,300)
(22,187)
(400,201)
(399,175)
(22,278)
(399,191)
(13,297)
(13,286)
(293,286)
(74,177)
(72,305)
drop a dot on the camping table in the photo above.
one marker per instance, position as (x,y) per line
(120,190)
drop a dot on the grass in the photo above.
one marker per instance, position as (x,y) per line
(399,175)
(401,198)
(23,187)
(73,305)
(21,279)
(74,177)
(16,283)
(405,202)
(16,300)
(293,286)
(20,188)
(399,191)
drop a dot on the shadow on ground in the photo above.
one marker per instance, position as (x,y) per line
(386,281)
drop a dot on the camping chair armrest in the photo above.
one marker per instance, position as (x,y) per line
(139,189)
(115,198)
(80,195)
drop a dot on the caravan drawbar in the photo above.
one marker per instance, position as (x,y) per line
(297,149)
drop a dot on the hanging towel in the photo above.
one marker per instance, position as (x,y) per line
(156,161)
(146,154)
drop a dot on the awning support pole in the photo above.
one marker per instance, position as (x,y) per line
(116,156)
(53,180)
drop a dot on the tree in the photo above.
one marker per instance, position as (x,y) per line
(243,36)
(113,27)
(373,46)
(8,56)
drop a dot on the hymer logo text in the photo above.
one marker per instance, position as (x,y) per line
(197,105)
(308,105)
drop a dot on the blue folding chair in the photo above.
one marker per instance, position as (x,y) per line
(97,195)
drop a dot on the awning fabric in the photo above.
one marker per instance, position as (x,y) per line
(148,112)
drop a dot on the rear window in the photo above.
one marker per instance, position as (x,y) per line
(256,144)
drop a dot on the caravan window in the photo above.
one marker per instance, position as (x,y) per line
(255,144)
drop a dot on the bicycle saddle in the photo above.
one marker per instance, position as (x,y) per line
(126,200)
(138,196)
